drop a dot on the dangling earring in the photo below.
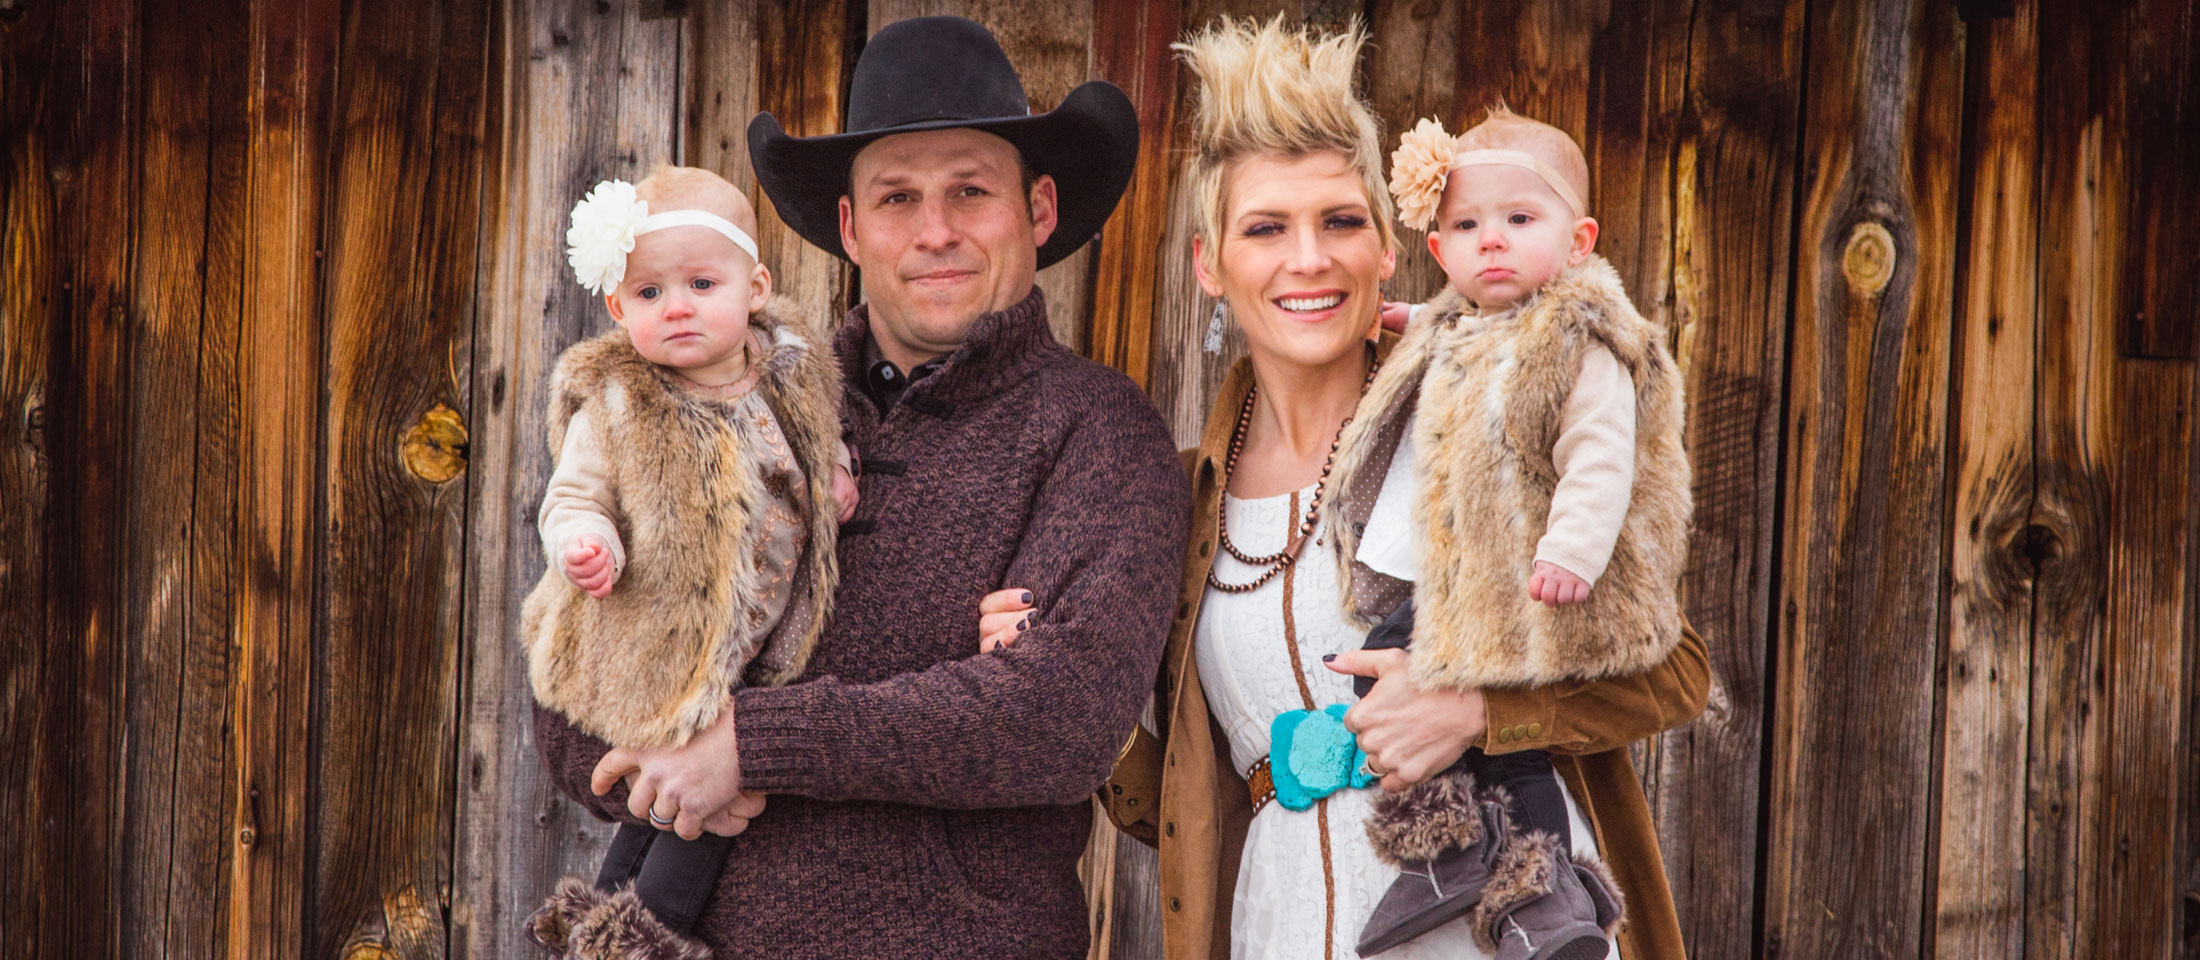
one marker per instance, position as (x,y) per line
(1214,326)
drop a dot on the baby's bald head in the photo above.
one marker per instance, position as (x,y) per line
(694,188)
(1506,130)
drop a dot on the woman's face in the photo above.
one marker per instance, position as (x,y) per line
(1301,262)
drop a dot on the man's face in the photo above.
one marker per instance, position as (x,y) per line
(943,230)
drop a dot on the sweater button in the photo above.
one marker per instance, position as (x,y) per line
(1175,905)
(1205,548)
(1535,729)
(1169,829)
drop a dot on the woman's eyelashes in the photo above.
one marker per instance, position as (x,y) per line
(1270,228)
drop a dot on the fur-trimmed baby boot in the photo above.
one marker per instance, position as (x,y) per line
(621,928)
(1445,842)
(1544,905)
(551,925)
(579,922)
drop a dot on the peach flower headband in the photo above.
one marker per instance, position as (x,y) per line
(1425,158)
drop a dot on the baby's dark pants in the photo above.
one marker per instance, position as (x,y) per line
(671,876)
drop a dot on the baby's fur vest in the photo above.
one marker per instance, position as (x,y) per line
(652,662)
(1490,403)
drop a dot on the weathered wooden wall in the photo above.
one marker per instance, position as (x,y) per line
(279,291)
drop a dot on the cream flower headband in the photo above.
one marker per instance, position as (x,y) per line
(1425,158)
(606,222)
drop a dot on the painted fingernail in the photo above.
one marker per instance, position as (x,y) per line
(1027,596)
(1022,625)
(1327,657)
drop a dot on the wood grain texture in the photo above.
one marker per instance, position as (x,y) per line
(400,299)
(1131,50)
(567,115)
(33,303)
(803,55)
(85,131)
(1732,253)
(2081,263)
(1853,738)
(1050,52)
(2161,74)
(292,50)
(1979,904)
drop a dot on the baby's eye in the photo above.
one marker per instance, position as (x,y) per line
(703,283)
(647,293)
(1464,225)
(1520,219)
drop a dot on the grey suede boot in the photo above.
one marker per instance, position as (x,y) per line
(1542,905)
(1445,842)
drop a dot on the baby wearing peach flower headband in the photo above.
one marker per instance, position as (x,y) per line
(1537,504)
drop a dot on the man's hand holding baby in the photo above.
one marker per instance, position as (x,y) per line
(588,565)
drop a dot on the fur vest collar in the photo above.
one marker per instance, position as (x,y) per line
(653,662)
(1488,402)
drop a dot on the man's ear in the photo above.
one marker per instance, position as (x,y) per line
(847,229)
(1585,240)
(1045,216)
(1208,283)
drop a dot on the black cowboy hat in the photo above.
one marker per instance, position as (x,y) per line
(935,73)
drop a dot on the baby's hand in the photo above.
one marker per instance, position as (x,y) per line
(1003,616)
(1554,585)
(588,565)
(1395,314)
(844,493)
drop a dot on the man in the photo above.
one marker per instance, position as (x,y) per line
(926,799)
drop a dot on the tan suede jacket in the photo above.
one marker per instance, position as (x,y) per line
(1178,792)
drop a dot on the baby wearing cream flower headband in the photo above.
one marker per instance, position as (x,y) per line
(689,526)
(1535,512)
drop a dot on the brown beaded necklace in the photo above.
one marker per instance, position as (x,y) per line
(1280,560)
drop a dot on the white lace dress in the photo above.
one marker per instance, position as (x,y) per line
(1287,905)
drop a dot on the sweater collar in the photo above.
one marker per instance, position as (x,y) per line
(1002,348)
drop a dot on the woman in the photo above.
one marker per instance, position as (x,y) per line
(1295,238)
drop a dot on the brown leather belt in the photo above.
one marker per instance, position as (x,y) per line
(1260,782)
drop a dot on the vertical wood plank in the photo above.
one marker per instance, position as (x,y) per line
(292,52)
(718,48)
(1419,50)
(803,55)
(1050,53)
(567,104)
(400,296)
(2081,264)
(1979,907)
(2161,71)
(1131,50)
(1853,738)
(1733,216)
(77,67)
(35,70)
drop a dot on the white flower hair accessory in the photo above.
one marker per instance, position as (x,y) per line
(606,221)
(1417,172)
(602,234)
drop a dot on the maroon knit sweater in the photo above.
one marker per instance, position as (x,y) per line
(926,800)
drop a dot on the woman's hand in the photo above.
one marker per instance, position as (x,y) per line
(1410,734)
(1003,616)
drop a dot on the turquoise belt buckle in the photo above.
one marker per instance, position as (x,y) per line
(1311,755)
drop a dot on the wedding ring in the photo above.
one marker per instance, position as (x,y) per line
(660,821)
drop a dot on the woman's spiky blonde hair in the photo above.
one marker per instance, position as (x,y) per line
(1266,88)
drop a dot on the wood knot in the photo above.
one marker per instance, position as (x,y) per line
(1868,261)
(435,448)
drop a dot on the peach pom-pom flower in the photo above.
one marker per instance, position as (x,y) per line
(1417,171)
